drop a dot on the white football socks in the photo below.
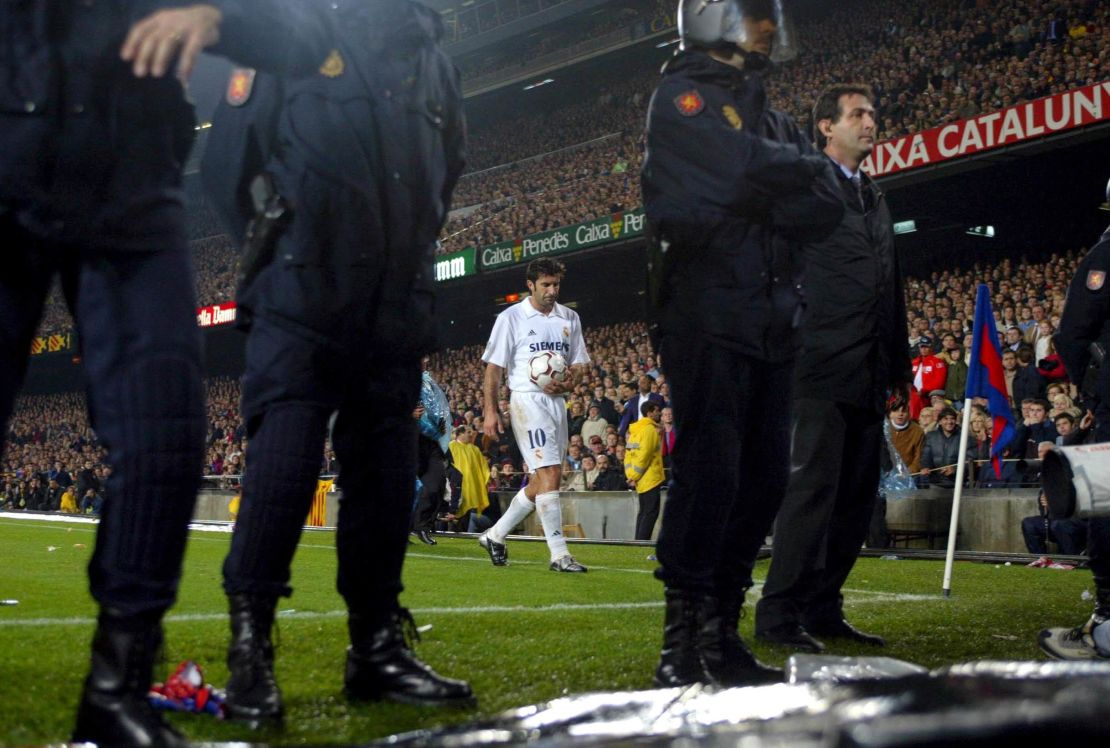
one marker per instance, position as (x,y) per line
(551,517)
(519,508)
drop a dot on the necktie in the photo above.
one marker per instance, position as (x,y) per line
(857,183)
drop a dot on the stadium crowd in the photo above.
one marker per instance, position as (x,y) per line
(51,434)
(929,63)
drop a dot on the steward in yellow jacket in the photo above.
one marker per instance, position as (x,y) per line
(643,466)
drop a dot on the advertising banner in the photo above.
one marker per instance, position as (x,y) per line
(217,314)
(456,264)
(564,239)
(1035,119)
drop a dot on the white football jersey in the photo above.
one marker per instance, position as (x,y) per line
(521,331)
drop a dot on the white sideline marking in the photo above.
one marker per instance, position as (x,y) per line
(311,615)
(875,597)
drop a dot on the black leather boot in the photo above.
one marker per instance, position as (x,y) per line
(252,695)
(680,662)
(382,665)
(725,654)
(114,710)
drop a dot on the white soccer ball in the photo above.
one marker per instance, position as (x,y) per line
(547,367)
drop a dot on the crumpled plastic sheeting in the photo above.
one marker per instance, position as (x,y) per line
(802,668)
(883,703)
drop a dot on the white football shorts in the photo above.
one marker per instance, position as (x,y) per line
(539,424)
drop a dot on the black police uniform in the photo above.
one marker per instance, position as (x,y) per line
(853,352)
(90,191)
(1086,320)
(366,150)
(728,186)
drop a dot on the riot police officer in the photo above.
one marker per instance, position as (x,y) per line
(90,193)
(353,121)
(1084,329)
(730,188)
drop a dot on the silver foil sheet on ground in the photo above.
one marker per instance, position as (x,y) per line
(830,702)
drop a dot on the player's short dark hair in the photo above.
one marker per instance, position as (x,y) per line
(544,266)
(827,107)
(1066,417)
(648,406)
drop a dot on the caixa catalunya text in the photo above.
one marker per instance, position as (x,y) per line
(538,347)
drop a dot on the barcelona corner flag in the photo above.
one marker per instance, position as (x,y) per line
(986,379)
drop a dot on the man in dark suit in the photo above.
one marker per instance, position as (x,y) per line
(853,354)
(632,406)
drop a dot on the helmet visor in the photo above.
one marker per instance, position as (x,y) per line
(760,27)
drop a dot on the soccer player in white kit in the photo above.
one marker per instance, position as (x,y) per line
(539,416)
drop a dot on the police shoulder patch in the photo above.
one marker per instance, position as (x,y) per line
(733,116)
(239,86)
(1095,280)
(333,67)
(689,103)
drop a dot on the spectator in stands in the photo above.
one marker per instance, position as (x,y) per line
(1050,366)
(594,427)
(941,451)
(956,382)
(35,498)
(927,419)
(929,372)
(1070,535)
(68,502)
(589,472)
(573,459)
(909,441)
(607,409)
(62,475)
(1078,433)
(1034,429)
(633,405)
(472,464)
(91,502)
(1009,372)
(979,450)
(577,418)
(53,495)
(609,477)
(1062,403)
(906,435)
(667,435)
(86,479)
(1027,383)
(510,478)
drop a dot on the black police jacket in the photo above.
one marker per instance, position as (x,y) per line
(357,117)
(730,189)
(1086,320)
(88,152)
(853,334)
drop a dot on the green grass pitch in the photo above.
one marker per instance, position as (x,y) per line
(520,634)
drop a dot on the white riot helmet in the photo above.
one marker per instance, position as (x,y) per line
(732,23)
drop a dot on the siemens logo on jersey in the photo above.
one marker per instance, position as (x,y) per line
(538,347)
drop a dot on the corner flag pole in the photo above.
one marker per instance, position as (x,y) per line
(954,522)
(987,380)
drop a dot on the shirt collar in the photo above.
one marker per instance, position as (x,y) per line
(531,311)
(846,171)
